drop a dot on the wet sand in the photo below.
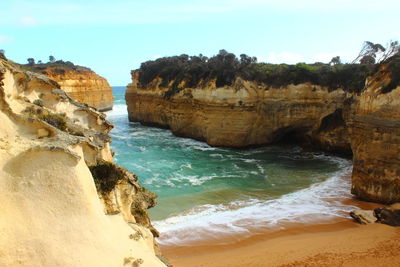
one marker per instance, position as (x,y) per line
(340,243)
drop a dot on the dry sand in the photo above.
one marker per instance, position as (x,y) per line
(342,243)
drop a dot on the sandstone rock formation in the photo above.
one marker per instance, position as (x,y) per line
(241,115)
(80,83)
(250,113)
(375,139)
(52,214)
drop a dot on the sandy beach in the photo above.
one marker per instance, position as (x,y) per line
(341,243)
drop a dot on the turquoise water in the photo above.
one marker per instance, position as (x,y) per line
(206,192)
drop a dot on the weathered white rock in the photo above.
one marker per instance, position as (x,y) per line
(42,133)
(51,212)
(363,216)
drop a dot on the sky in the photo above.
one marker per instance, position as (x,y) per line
(114,37)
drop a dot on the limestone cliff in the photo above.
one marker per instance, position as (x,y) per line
(375,138)
(80,83)
(363,122)
(51,212)
(243,114)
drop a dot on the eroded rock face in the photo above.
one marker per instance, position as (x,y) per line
(375,141)
(241,115)
(52,214)
(84,86)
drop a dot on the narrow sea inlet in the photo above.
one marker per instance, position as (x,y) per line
(207,193)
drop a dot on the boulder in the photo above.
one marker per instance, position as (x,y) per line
(363,216)
(387,216)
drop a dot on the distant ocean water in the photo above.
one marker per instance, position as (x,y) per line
(207,193)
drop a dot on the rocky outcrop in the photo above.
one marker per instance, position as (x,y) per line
(243,114)
(246,113)
(387,216)
(83,85)
(363,216)
(52,214)
(375,140)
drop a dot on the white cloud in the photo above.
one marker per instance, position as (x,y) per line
(282,57)
(5,39)
(326,57)
(27,21)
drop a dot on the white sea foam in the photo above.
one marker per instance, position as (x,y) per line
(189,165)
(260,168)
(198,145)
(204,148)
(243,218)
(250,160)
(118,110)
(191,180)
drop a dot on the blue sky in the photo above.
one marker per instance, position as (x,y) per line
(114,37)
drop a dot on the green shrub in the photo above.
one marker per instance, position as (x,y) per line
(55,120)
(38,102)
(226,67)
(59,67)
(106,176)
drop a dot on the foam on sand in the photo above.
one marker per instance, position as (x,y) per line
(320,202)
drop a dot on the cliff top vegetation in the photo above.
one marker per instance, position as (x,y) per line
(58,66)
(225,67)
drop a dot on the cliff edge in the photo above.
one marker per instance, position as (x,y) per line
(375,136)
(63,201)
(80,83)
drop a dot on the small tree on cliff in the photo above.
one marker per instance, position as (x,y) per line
(31,61)
(367,60)
(52,59)
(368,51)
(392,48)
(335,61)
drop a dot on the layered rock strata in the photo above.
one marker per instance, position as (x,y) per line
(52,214)
(375,140)
(83,85)
(241,115)
(248,113)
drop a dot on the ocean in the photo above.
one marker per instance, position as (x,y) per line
(215,194)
